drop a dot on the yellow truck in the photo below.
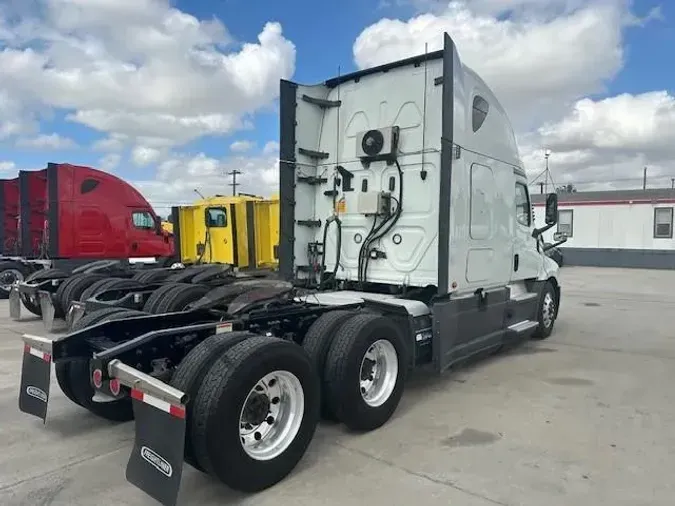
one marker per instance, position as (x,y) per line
(168,226)
(241,230)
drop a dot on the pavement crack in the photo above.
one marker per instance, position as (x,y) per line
(59,469)
(424,476)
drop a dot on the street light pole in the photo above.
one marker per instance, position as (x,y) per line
(547,153)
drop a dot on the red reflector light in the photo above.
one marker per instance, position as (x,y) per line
(97,377)
(115,386)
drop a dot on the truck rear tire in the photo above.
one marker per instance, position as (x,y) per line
(186,275)
(62,369)
(95,317)
(59,310)
(79,379)
(36,277)
(212,274)
(119,284)
(96,287)
(190,372)
(546,312)
(156,296)
(10,272)
(317,343)
(365,371)
(263,391)
(152,276)
(178,298)
(74,290)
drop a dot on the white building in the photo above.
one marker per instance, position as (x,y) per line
(620,228)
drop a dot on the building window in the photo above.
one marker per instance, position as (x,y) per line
(566,222)
(480,112)
(216,217)
(663,223)
(143,219)
(523,208)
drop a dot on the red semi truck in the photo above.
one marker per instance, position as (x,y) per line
(69,215)
(9,209)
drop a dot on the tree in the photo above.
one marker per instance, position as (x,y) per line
(568,188)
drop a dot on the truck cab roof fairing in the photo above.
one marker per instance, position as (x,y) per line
(289,162)
(318,128)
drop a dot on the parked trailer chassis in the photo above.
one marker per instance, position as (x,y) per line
(30,290)
(54,318)
(136,298)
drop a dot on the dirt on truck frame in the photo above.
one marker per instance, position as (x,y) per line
(386,268)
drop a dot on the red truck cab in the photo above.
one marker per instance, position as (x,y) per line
(9,209)
(90,214)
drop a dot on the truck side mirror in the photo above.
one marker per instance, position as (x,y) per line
(159,230)
(551,209)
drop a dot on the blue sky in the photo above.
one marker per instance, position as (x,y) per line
(324,40)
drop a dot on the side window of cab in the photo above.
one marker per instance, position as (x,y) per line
(523,207)
(143,220)
(216,217)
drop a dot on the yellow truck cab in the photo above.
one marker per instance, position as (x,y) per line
(241,230)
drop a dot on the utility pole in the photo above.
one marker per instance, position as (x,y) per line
(644,179)
(541,187)
(672,182)
(234,173)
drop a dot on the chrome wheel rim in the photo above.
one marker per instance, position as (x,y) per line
(548,310)
(8,278)
(378,373)
(271,415)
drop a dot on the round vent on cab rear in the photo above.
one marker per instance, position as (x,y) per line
(372,143)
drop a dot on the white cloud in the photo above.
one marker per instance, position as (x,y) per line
(47,141)
(110,161)
(532,63)
(7,167)
(114,142)
(271,147)
(180,175)
(543,60)
(241,146)
(142,156)
(610,141)
(136,68)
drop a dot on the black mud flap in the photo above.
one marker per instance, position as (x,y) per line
(156,462)
(35,379)
(15,303)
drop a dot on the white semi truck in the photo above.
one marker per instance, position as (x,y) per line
(406,242)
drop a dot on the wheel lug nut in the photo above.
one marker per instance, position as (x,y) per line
(270,420)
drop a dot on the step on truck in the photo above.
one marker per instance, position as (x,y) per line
(406,241)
